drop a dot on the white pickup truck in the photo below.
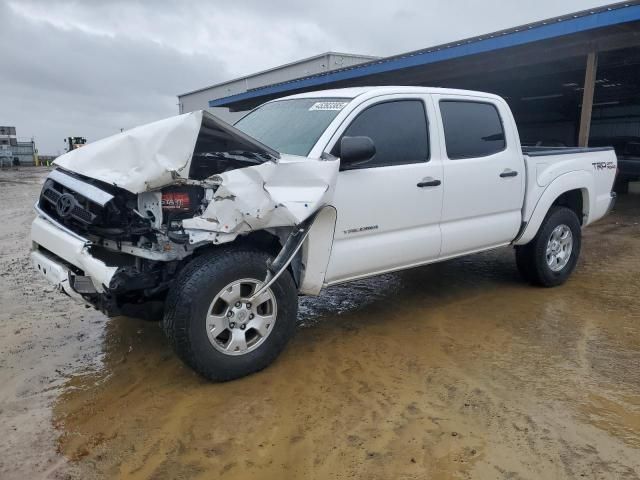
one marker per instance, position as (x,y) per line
(219,228)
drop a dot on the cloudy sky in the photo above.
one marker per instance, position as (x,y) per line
(90,67)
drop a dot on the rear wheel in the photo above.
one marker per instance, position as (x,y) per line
(213,325)
(551,256)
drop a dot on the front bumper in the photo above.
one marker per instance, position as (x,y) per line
(64,259)
(55,273)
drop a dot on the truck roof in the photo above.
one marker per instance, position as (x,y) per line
(372,91)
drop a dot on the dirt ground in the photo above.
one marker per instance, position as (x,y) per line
(457,370)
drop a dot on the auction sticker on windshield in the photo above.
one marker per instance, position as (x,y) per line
(328,106)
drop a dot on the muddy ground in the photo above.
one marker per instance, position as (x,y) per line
(457,370)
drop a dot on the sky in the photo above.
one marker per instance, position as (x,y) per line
(91,67)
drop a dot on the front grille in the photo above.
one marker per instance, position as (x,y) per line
(50,195)
(90,207)
(83,215)
(68,207)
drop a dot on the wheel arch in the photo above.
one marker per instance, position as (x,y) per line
(571,190)
(308,267)
(262,240)
(575,200)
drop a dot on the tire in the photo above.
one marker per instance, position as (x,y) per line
(190,314)
(532,260)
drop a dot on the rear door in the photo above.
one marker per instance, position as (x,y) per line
(388,209)
(483,183)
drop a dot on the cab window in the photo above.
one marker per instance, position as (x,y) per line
(471,129)
(398,129)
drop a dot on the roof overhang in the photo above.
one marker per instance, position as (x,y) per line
(589,28)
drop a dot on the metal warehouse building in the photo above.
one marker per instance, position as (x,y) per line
(327,62)
(570,80)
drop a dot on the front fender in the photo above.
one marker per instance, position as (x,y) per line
(576,180)
(317,250)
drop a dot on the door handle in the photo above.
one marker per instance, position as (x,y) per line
(509,173)
(429,182)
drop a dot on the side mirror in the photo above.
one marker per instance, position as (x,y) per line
(355,151)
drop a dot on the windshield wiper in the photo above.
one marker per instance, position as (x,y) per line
(240,155)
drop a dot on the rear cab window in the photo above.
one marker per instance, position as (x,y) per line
(472,129)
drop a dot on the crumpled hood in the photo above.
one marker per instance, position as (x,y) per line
(154,155)
(139,159)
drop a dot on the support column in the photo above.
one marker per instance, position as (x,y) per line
(587,99)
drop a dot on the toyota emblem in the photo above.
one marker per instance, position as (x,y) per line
(65,204)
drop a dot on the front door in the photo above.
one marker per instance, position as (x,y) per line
(388,209)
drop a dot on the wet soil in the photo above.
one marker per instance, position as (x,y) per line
(457,370)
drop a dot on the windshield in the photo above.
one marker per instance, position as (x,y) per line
(291,126)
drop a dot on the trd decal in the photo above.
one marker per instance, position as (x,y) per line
(604,165)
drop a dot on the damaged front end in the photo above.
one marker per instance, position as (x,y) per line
(119,218)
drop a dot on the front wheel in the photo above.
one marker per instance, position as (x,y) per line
(212,324)
(551,256)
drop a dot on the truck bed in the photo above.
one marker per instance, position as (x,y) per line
(551,168)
